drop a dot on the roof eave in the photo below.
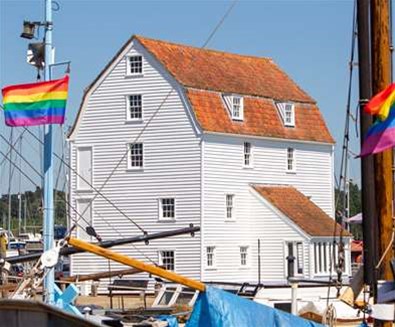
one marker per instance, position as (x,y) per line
(277,139)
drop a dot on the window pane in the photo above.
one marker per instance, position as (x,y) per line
(210,256)
(229,206)
(136,64)
(299,257)
(236,107)
(290,159)
(167,259)
(247,154)
(243,255)
(167,295)
(168,208)
(289,114)
(185,296)
(319,258)
(135,107)
(136,155)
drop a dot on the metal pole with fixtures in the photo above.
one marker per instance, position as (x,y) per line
(48,230)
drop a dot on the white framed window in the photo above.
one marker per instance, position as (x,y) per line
(167,208)
(295,250)
(135,157)
(244,256)
(247,155)
(326,258)
(167,260)
(135,107)
(237,107)
(287,113)
(210,256)
(229,203)
(134,65)
(291,159)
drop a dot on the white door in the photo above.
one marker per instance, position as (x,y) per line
(84,218)
(84,168)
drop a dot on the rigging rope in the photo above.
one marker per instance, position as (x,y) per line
(99,192)
(219,24)
(35,184)
(343,170)
(153,116)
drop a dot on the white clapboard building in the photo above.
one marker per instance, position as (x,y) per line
(173,135)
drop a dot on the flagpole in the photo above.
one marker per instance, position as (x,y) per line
(48,228)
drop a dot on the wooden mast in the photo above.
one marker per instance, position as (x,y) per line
(367,163)
(381,78)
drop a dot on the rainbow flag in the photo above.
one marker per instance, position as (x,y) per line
(35,103)
(381,103)
(380,136)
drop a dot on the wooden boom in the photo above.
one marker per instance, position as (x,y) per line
(166,274)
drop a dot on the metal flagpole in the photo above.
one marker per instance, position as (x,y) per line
(48,230)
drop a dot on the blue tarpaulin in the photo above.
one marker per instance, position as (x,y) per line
(171,320)
(218,308)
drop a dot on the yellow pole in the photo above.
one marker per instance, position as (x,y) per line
(169,275)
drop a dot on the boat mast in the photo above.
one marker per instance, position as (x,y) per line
(20,189)
(48,228)
(381,78)
(9,190)
(367,164)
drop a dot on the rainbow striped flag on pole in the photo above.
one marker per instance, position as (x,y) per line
(35,103)
(381,135)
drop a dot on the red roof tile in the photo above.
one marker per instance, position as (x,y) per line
(300,209)
(225,72)
(261,118)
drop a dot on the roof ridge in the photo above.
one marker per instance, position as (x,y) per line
(139,37)
(271,185)
(199,89)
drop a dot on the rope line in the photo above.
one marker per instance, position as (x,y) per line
(343,168)
(99,191)
(219,24)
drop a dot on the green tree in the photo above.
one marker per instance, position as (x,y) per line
(34,212)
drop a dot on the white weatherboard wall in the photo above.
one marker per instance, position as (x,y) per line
(223,173)
(171,166)
(274,231)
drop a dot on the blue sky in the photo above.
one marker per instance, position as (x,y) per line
(310,40)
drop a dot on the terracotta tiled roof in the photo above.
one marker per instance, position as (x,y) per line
(225,72)
(261,118)
(300,209)
(259,80)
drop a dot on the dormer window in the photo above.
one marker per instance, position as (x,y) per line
(287,113)
(235,106)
